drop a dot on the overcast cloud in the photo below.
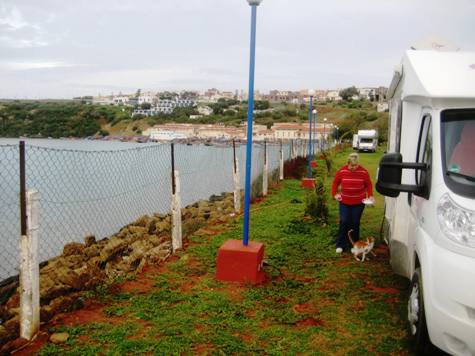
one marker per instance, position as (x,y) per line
(61,49)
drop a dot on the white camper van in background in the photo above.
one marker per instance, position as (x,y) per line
(367,140)
(428,178)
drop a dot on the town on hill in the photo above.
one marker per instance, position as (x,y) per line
(211,115)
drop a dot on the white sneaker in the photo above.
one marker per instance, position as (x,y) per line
(339,250)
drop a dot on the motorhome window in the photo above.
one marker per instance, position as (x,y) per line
(366,140)
(398,126)
(424,151)
(458,150)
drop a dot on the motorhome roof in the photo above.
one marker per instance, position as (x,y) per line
(367,132)
(438,74)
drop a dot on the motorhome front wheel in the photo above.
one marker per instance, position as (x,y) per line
(416,315)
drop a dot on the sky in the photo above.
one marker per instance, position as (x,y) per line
(67,48)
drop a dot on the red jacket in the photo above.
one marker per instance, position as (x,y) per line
(354,185)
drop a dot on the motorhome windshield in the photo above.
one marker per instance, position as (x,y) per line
(458,145)
(366,140)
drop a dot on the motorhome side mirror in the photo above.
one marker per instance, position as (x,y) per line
(389,175)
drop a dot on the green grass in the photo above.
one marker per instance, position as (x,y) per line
(314,302)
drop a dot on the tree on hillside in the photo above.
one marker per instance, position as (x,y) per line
(348,93)
(261,105)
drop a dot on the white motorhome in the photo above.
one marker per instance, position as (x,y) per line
(367,140)
(428,178)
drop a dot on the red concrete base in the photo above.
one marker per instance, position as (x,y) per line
(314,164)
(308,183)
(239,263)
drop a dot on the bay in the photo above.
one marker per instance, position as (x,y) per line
(96,187)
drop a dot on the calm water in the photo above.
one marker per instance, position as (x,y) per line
(97,187)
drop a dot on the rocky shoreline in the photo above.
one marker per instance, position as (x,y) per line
(84,266)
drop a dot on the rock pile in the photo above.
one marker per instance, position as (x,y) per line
(83,266)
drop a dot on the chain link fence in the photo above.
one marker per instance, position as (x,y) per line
(84,192)
(9,210)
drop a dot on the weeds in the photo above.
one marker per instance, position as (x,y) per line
(313,303)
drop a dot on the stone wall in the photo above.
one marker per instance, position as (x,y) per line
(83,266)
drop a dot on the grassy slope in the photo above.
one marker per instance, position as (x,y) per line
(337,115)
(125,127)
(314,302)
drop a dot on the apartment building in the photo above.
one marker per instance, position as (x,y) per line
(120,100)
(146,98)
(165,106)
(295,131)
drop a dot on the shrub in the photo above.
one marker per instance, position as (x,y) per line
(328,162)
(295,168)
(316,203)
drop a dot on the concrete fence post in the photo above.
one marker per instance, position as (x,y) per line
(265,176)
(237,187)
(176,215)
(29,270)
(281,163)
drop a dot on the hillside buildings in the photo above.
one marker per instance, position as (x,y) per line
(153,103)
(278,132)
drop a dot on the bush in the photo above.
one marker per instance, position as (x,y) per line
(328,162)
(295,168)
(316,203)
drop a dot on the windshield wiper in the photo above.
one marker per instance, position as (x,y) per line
(469,178)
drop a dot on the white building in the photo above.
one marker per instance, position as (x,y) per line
(120,100)
(367,93)
(334,95)
(165,135)
(147,98)
(165,106)
(294,131)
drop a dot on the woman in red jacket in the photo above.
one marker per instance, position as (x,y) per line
(355,186)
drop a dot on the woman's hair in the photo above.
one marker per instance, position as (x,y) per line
(353,158)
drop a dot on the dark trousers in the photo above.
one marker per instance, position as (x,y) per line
(350,216)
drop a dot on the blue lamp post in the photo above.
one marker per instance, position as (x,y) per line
(315,130)
(241,261)
(311,93)
(250,110)
(324,134)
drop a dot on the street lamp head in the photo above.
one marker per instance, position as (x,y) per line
(311,92)
(314,111)
(325,119)
(254,2)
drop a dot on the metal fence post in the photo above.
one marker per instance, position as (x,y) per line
(281,165)
(29,266)
(22,189)
(265,175)
(176,205)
